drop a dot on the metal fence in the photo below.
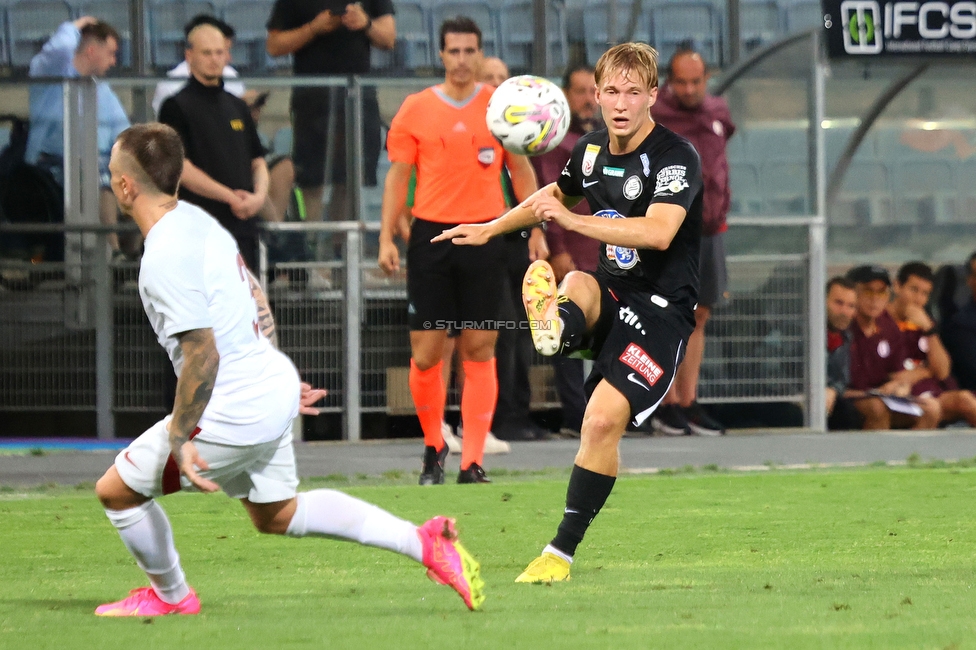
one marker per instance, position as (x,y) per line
(73,336)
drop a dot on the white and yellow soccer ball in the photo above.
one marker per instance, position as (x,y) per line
(529,115)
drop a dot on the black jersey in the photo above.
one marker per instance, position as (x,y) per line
(664,168)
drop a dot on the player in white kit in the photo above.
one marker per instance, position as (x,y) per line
(236,397)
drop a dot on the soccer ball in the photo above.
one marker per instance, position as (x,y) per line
(529,115)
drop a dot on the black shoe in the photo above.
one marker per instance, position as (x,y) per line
(701,423)
(474,474)
(523,433)
(433,470)
(670,420)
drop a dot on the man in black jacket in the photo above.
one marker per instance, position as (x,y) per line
(224,172)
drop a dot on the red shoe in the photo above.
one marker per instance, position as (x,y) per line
(449,563)
(145,602)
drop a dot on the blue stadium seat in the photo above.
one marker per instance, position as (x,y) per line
(865,195)
(518,34)
(30,24)
(746,195)
(414,45)
(760,23)
(282,140)
(785,187)
(801,15)
(249,18)
(925,191)
(597,22)
(480,12)
(166,21)
(782,143)
(4,38)
(697,22)
(116,14)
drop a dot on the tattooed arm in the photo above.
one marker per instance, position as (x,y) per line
(265,317)
(193,389)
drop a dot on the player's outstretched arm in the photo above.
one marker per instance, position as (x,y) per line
(521,216)
(193,390)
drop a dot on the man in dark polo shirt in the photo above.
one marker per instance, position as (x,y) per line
(224,172)
(878,358)
(842,414)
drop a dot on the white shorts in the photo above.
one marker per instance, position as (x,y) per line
(262,473)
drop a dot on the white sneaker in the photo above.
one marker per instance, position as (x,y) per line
(453,442)
(492,444)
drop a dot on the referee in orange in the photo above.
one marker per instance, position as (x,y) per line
(442,132)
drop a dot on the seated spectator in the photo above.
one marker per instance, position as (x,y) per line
(923,347)
(842,415)
(959,334)
(878,358)
(181,73)
(83,48)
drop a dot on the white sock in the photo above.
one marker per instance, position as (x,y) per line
(146,532)
(329,513)
(555,551)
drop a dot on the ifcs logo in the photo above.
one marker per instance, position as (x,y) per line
(861,25)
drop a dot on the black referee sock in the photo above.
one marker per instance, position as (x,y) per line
(574,325)
(587,493)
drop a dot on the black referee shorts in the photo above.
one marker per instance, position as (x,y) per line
(453,287)
(637,346)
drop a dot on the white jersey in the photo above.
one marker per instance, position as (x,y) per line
(181,73)
(193,277)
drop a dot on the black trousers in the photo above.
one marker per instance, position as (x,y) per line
(514,351)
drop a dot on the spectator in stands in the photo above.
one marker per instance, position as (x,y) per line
(281,171)
(166,89)
(685,107)
(842,415)
(960,334)
(878,359)
(83,48)
(494,71)
(224,171)
(923,347)
(570,251)
(327,43)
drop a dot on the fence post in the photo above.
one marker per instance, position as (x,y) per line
(352,424)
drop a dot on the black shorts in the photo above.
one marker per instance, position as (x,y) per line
(713,276)
(453,287)
(310,122)
(637,346)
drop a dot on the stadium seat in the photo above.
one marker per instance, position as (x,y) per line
(166,21)
(414,46)
(691,21)
(760,23)
(480,12)
(518,34)
(785,187)
(30,24)
(281,141)
(801,15)
(782,143)
(597,24)
(924,191)
(746,195)
(4,39)
(249,19)
(865,194)
(116,14)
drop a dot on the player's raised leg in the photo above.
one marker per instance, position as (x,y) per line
(559,318)
(333,514)
(590,484)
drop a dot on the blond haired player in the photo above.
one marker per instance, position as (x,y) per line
(236,397)
(635,313)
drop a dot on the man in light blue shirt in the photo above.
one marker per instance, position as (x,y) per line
(83,48)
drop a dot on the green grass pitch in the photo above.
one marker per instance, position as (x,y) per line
(869,558)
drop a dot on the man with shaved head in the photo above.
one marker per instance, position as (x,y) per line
(236,397)
(225,172)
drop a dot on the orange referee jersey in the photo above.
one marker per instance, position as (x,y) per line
(457,158)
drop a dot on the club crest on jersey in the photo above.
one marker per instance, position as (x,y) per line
(670,180)
(625,258)
(589,158)
(633,187)
(486,155)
